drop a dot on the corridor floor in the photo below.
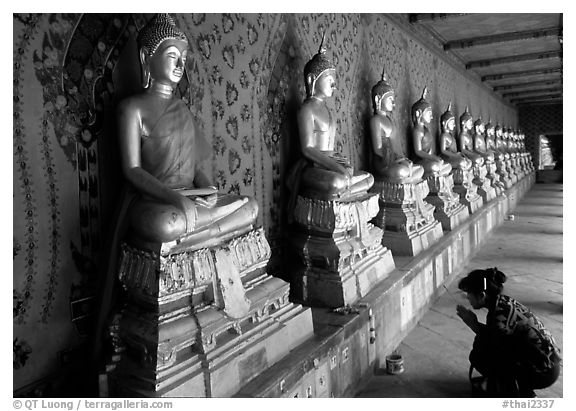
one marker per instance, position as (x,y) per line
(528,250)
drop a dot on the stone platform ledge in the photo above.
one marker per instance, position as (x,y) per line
(341,357)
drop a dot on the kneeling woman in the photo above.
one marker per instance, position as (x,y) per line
(513,350)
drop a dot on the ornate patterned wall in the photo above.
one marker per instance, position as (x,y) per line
(244,84)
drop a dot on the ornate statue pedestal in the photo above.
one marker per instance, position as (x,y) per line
(494,178)
(520,170)
(448,209)
(340,252)
(503,173)
(466,189)
(407,220)
(202,322)
(511,171)
(485,189)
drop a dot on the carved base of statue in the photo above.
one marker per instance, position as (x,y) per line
(406,218)
(503,173)
(495,180)
(467,190)
(194,319)
(340,251)
(517,168)
(485,189)
(448,209)
(511,171)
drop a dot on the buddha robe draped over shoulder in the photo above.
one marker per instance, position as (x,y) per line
(174,147)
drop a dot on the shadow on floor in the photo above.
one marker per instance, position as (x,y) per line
(395,386)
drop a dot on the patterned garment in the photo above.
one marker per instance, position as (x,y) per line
(533,346)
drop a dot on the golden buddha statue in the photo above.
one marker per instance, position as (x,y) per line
(479,142)
(388,160)
(465,140)
(501,141)
(448,209)
(501,156)
(461,165)
(330,207)
(161,149)
(187,250)
(448,145)
(484,144)
(517,154)
(491,137)
(322,173)
(423,140)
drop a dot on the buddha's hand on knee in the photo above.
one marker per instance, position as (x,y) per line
(208,201)
(188,207)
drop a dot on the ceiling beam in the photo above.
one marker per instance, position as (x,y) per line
(424,17)
(514,59)
(502,76)
(529,92)
(538,100)
(534,98)
(501,38)
(527,84)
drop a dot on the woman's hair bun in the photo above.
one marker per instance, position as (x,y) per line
(498,276)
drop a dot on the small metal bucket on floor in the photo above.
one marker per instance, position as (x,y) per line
(394,364)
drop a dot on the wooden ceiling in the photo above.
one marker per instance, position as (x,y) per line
(518,55)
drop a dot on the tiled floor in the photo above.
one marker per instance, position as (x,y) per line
(529,250)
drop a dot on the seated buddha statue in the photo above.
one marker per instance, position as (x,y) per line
(388,160)
(322,173)
(509,138)
(479,142)
(491,138)
(161,149)
(448,146)
(465,140)
(423,140)
(501,143)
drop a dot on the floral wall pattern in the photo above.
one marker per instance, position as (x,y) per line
(244,85)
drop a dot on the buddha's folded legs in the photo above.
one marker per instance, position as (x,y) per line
(325,184)
(432,167)
(402,172)
(159,222)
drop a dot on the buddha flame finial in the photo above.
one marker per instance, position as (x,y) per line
(449,106)
(384,74)
(425,92)
(322,49)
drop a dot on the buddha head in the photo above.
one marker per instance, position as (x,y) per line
(498,131)
(448,120)
(422,110)
(320,74)
(163,49)
(490,129)
(466,121)
(505,133)
(479,126)
(383,95)
(510,134)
